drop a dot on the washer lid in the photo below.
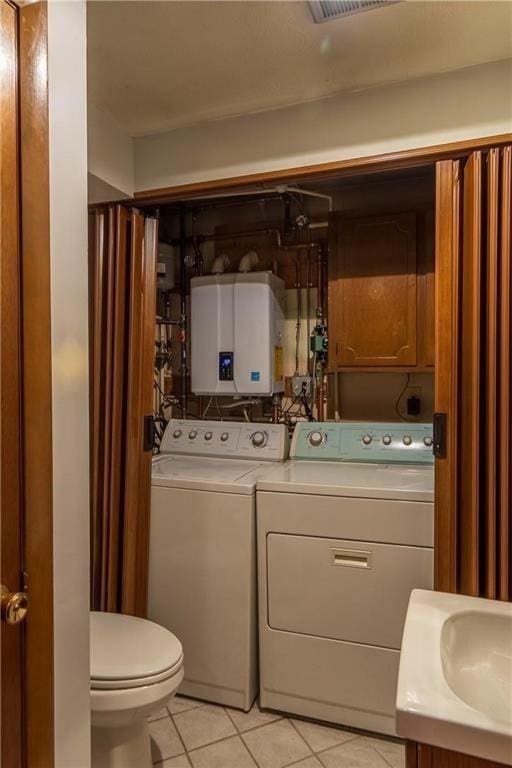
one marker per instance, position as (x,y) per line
(126,647)
(207,474)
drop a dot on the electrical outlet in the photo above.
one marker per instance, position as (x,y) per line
(412,397)
(301,386)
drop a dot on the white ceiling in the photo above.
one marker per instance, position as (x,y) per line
(159,65)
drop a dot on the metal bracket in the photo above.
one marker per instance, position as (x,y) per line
(149,433)
(440,427)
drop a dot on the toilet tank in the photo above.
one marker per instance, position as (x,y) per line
(237,323)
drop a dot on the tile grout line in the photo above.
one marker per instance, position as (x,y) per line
(178,735)
(379,754)
(249,749)
(255,727)
(301,736)
(208,744)
(350,741)
(219,741)
(231,720)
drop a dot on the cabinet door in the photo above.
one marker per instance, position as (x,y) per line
(425,259)
(373,298)
(429,307)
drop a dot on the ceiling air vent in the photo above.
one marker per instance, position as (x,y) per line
(327,10)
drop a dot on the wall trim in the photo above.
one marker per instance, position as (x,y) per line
(408,158)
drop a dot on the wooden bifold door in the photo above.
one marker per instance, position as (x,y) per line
(473,374)
(122,258)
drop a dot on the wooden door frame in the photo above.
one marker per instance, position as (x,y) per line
(35,388)
(356,166)
(447,160)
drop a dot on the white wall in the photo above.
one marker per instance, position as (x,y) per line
(457,105)
(69,310)
(110,151)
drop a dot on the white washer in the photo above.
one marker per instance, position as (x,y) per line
(341,544)
(202,555)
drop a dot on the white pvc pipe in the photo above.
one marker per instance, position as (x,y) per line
(248,261)
(220,263)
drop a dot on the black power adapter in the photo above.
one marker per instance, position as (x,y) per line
(413,406)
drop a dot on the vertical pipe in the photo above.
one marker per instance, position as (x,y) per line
(183,317)
(321,394)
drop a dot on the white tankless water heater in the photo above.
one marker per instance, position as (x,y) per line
(237,325)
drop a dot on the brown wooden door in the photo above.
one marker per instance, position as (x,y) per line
(373,292)
(123,247)
(473,374)
(10,424)
(26,529)
(141,346)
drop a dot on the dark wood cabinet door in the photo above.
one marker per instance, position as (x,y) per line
(373,296)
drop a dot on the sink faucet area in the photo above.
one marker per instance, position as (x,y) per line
(455,678)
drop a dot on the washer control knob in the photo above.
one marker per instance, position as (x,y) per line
(407,440)
(367,439)
(428,441)
(192,434)
(224,436)
(259,439)
(386,439)
(316,438)
(177,433)
(208,435)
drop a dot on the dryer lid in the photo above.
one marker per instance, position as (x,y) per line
(126,647)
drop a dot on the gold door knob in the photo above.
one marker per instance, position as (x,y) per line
(14,605)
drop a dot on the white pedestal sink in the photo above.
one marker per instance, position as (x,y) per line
(455,678)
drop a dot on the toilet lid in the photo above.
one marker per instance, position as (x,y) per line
(129,648)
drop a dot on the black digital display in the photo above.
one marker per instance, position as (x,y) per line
(225,366)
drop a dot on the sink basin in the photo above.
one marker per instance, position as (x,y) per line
(478,671)
(455,679)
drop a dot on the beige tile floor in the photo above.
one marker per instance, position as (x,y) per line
(192,734)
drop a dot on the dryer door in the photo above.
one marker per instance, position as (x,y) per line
(344,590)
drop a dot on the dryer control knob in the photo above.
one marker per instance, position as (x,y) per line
(367,439)
(193,434)
(428,441)
(259,439)
(386,439)
(208,435)
(407,440)
(177,433)
(316,439)
(224,436)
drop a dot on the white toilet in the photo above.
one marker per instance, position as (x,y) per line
(136,668)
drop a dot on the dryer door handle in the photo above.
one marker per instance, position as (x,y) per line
(351,558)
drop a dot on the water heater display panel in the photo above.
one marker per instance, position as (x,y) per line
(225,366)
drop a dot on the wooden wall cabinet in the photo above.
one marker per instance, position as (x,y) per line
(381,304)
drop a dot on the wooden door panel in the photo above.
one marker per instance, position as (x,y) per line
(504,373)
(10,438)
(470,391)
(376,291)
(447,303)
(473,375)
(37,390)
(490,378)
(134,424)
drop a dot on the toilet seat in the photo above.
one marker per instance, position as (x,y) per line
(130,652)
(135,682)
